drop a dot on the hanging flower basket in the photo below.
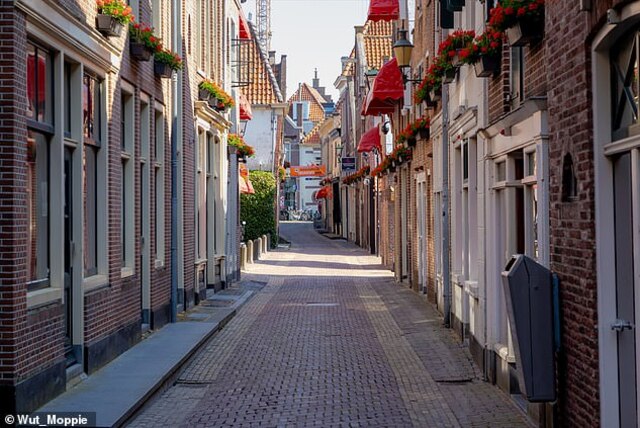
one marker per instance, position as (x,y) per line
(525,32)
(140,51)
(162,69)
(425,133)
(204,95)
(109,25)
(220,107)
(411,141)
(213,101)
(487,66)
(456,60)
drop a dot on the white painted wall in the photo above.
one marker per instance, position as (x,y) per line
(309,155)
(261,134)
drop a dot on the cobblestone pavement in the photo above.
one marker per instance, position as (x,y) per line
(330,341)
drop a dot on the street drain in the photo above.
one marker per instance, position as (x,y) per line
(322,304)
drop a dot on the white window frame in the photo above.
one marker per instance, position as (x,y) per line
(159,183)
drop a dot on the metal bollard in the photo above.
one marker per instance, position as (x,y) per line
(243,256)
(257,247)
(249,252)
(269,242)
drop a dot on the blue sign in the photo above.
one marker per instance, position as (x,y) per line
(349,164)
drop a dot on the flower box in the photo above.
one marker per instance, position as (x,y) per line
(213,101)
(456,61)
(162,69)
(204,95)
(108,25)
(221,108)
(411,141)
(525,32)
(140,51)
(425,133)
(487,66)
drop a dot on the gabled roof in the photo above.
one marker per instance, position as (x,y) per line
(378,43)
(263,88)
(306,92)
(313,137)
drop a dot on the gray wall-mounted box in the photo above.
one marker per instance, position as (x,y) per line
(528,288)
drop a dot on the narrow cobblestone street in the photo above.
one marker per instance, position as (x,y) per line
(330,340)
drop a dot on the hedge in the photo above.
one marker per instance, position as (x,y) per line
(258,210)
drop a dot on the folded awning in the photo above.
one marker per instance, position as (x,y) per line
(384,10)
(324,193)
(386,91)
(370,140)
(244,32)
(245,107)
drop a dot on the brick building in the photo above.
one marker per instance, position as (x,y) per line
(87,219)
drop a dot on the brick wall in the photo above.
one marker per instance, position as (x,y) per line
(567,38)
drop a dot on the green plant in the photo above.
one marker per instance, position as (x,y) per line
(144,34)
(258,210)
(117,9)
(165,56)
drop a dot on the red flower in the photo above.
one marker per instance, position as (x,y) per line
(508,11)
(522,11)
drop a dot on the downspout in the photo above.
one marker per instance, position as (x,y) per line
(445,209)
(176,134)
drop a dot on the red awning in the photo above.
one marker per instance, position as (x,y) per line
(324,193)
(245,108)
(245,33)
(386,91)
(370,140)
(384,10)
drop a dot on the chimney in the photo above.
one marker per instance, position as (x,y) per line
(299,113)
(272,57)
(316,81)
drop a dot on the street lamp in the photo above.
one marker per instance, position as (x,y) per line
(402,50)
(243,127)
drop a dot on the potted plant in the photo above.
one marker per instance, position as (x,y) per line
(244,150)
(217,98)
(165,62)
(142,43)
(521,20)
(112,16)
(421,127)
(449,49)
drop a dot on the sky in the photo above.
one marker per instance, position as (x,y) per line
(313,34)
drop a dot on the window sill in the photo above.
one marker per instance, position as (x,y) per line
(200,262)
(159,264)
(43,297)
(95,282)
(126,272)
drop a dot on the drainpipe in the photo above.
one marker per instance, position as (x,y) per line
(176,134)
(445,209)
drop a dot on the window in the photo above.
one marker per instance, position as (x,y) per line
(201,197)
(91,102)
(517,77)
(301,106)
(91,109)
(39,79)
(625,87)
(127,212)
(157,15)
(199,34)
(67,99)
(159,185)
(38,210)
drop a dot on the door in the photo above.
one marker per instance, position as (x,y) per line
(145,262)
(68,257)
(624,170)
(422,232)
